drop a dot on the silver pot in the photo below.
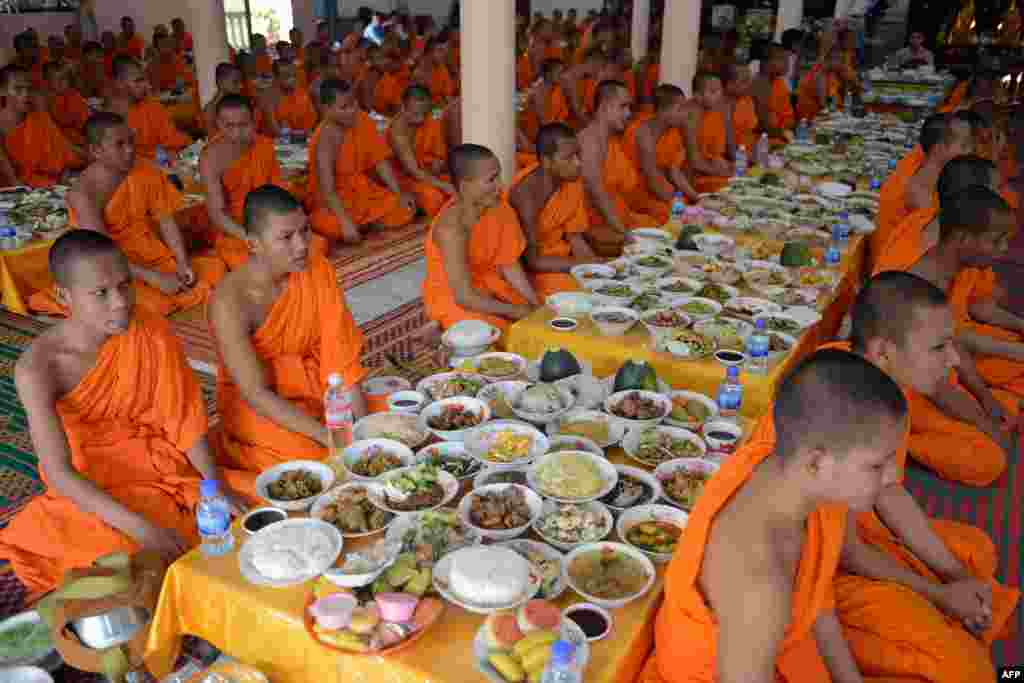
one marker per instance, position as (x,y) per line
(111,629)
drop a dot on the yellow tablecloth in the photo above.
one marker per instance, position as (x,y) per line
(24,271)
(532,336)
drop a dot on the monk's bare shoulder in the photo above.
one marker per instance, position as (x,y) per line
(46,369)
(526,194)
(216,157)
(399,132)
(761,87)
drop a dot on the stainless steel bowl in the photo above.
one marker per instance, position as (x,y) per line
(111,629)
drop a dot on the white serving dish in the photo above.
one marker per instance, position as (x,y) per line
(478,407)
(619,547)
(650,513)
(533,501)
(323,472)
(359,450)
(613,401)
(607,472)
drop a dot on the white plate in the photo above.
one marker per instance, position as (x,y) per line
(607,524)
(756,306)
(513,358)
(299,534)
(566,397)
(323,472)
(428,384)
(479,408)
(358,451)
(661,400)
(616,429)
(631,443)
(479,441)
(834,189)
(651,513)
(443,570)
(568,631)
(588,391)
(415,522)
(366,427)
(550,553)
(610,603)
(666,469)
(317,511)
(377,491)
(707,401)
(635,473)
(606,471)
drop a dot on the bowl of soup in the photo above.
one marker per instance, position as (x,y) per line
(609,574)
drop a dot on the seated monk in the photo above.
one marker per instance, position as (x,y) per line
(117,421)
(92,72)
(229,82)
(289,105)
(819,86)
(657,147)
(574,82)
(36,152)
(749,590)
(551,203)
(473,249)
(771,97)
(30,58)
(547,102)
(955,97)
(168,69)
(148,118)
(66,106)
(608,175)
(903,325)
(383,85)
(975,223)
(421,152)
(345,149)
(710,143)
(432,71)
(132,200)
(262,62)
(737,81)
(282,329)
(129,43)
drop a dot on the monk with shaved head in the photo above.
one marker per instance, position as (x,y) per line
(710,140)
(149,120)
(117,420)
(474,247)
(288,102)
(417,139)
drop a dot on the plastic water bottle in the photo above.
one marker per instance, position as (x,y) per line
(284,136)
(802,132)
(678,208)
(757,349)
(848,101)
(834,254)
(762,151)
(338,414)
(843,227)
(162,160)
(876,184)
(741,162)
(892,165)
(730,394)
(213,517)
(562,666)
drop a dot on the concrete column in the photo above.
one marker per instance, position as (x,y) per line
(210,39)
(304,19)
(791,15)
(680,32)
(641,28)
(489,79)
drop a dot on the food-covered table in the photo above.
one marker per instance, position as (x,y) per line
(37,218)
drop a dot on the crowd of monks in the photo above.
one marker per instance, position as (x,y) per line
(805,559)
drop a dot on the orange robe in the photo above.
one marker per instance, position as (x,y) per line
(780,106)
(130,422)
(263,65)
(670,152)
(38,151)
(387,97)
(364,198)
(495,241)
(905,245)
(892,206)
(955,97)
(70,111)
(442,86)
(685,630)
(169,73)
(564,214)
(556,110)
(712,141)
(153,127)
(807,105)
(430,147)
(744,123)
(525,73)
(620,180)
(308,334)
(135,48)
(295,110)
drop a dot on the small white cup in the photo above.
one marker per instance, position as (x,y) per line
(410,402)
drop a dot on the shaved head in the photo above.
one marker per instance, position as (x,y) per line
(667,96)
(229,102)
(701,80)
(332,89)
(550,137)
(416,93)
(833,400)
(226,70)
(122,67)
(885,307)
(970,212)
(266,201)
(75,246)
(608,90)
(962,172)
(99,124)
(463,160)
(933,131)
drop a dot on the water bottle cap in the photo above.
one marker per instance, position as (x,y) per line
(334,379)
(761,323)
(209,487)
(732,371)
(562,652)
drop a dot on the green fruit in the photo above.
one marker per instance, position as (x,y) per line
(685,241)
(558,364)
(636,376)
(771,179)
(381,585)
(795,255)
(399,575)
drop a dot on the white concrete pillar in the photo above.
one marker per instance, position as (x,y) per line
(641,28)
(791,15)
(680,33)
(205,20)
(489,79)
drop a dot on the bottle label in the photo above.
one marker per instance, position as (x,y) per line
(729,400)
(338,411)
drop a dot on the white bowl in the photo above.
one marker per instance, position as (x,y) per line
(610,299)
(692,285)
(568,401)
(718,448)
(660,238)
(493,475)
(470,334)
(588,391)
(616,428)
(524,546)
(442,573)
(317,511)
(651,513)
(377,491)
(767,317)
(707,401)
(561,443)
(729,289)
(661,400)
(614,329)
(479,442)
(751,306)
(659,331)
(610,603)
(720,330)
(602,511)
(651,270)
(631,444)
(401,397)
(428,385)
(568,611)
(714,306)
(714,244)
(25,674)
(513,358)
(666,469)
(359,450)
(508,389)
(475,405)
(367,427)
(324,473)
(606,471)
(570,304)
(636,473)
(533,501)
(450,450)
(601,272)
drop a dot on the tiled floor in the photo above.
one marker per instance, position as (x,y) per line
(386,293)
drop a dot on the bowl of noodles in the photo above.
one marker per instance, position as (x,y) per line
(572,476)
(608,574)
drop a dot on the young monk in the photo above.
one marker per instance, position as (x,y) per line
(710,143)
(738,82)
(129,43)
(148,118)
(33,151)
(608,175)
(92,72)
(551,203)
(345,149)
(547,102)
(117,421)
(182,38)
(820,84)
(29,59)
(771,97)
(282,328)
(474,247)
(657,147)
(574,82)
(432,71)
(168,69)
(135,204)
(290,105)
(229,82)
(748,594)
(421,152)
(262,63)
(67,107)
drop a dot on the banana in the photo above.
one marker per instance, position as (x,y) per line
(532,640)
(507,667)
(115,664)
(119,561)
(536,659)
(93,587)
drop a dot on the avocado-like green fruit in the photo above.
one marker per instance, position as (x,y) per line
(795,255)
(685,241)
(558,364)
(636,376)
